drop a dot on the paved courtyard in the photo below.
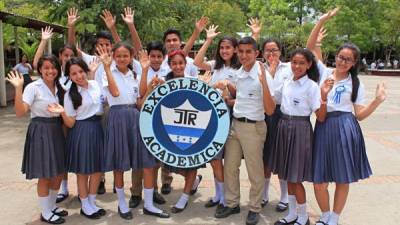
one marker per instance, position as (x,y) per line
(372,201)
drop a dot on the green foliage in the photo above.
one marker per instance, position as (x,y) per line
(28,49)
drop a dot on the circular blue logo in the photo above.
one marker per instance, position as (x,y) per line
(184,122)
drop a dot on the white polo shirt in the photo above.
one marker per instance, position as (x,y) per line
(91,102)
(339,98)
(300,97)
(128,87)
(283,72)
(249,94)
(190,70)
(38,96)
(225,73)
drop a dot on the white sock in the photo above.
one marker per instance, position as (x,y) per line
(53,198)
(302,213)
(284,191)
(92,201)
(123,207)
(221,193)
(216,197)
(292,212)
(325,216)
(181,203)
(148,200)
(196,183)
(86,207)
(266,189)
(46,208)
(333,219)
(64,187)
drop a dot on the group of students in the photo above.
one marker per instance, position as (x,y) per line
(85,120)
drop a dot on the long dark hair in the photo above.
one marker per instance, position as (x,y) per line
(219,62)
(54,61)
(312,72)
(354,69)
(130,49)
(74,94)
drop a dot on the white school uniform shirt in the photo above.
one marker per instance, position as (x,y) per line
(65,81)
(249,93)
(91,102)
(38,96)
(283,72)
(300,97)
(339,98)
(22,69)
(225,73)
(127,84)
(161,73)
(190,69)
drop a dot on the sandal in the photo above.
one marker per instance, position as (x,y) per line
(281,207)
(57,221)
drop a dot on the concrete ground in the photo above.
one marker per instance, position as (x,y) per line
(372,201)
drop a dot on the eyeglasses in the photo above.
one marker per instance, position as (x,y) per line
(344,59)
(271,51)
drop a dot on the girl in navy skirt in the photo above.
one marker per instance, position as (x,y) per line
(224,68)
(339,147)
(291,155)
(124,149)
(81,113)
(177,63)
(279,72)
(44,145)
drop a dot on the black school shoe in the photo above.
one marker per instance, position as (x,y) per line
(93,216)
(126,216)
(166,189)
(101,212)
(158,199)
(102,187)
(226,211)
(60,220)
(284,222)
(61,197)
(252,218)
(134,201)
(281,207)
(61,213)
(162,214)
(211,203)
(178,210)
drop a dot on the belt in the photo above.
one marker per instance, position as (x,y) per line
(245,120)
(288,117)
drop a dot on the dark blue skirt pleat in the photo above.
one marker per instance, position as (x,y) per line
(272,127)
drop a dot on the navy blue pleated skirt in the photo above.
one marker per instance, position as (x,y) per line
(85,144)
(339,150)
(291,156)
(124,148)
(44,151)
(272,128)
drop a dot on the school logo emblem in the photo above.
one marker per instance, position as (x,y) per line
(184,122)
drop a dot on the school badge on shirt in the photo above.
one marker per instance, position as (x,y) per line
(184,122)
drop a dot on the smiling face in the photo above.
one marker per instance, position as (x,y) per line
(172,42)
(226,50)
(156,58)
(247,55)
(122,57)
(271,52)
(48,71)
(299,65)
(177,64)
(77,75)
(65,55)
(345,59)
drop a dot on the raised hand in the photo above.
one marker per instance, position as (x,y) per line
(211,32)
(108,18)
(326,88)
(262,76)
(16,79)
(144,59)
(221,84)
(55,108)
(201,23)
(94,64)
(206,77)
(129,15)
(255,25)
(72,16)
(331,13)
(105,57)
(47,33)
(321,35)
(380,93)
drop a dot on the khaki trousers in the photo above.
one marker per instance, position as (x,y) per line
(245,139)
(137,180)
